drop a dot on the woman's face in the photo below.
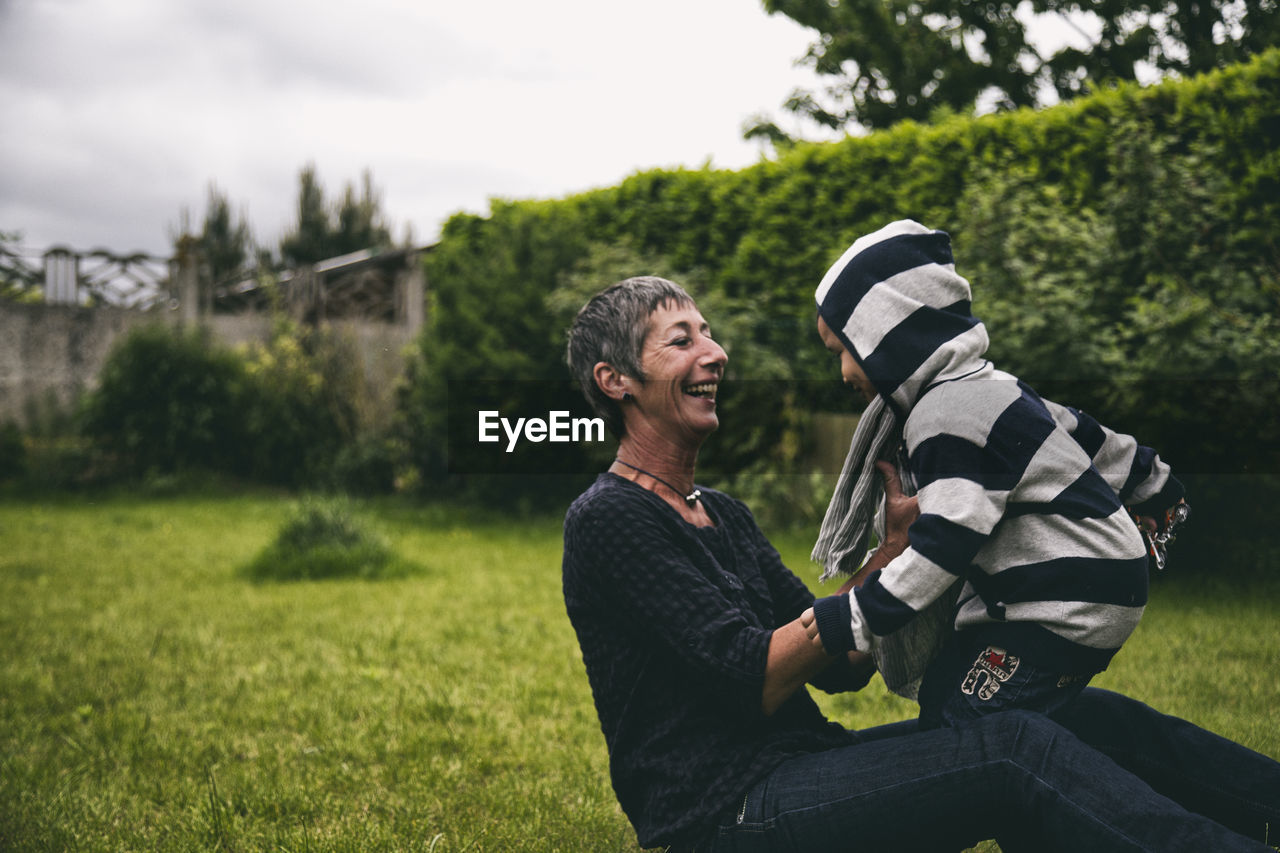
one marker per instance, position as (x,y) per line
(850,370)
(683,367)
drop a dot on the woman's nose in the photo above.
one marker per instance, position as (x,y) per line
(715,354)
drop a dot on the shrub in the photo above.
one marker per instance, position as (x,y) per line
(1121,246)
(297,409)
(13,451)
(1146,308)
(782,501)
(367,466)
(167,400)
(323,538)
(171,401)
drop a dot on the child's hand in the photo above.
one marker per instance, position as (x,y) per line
(862,663)
(1147,524)
(1158,532)
(1151,525)
(810,625)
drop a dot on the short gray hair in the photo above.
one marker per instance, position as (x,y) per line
(611,328)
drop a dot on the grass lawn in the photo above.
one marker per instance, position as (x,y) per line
(153,698)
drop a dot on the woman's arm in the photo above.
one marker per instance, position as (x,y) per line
(793,660)
(795,653)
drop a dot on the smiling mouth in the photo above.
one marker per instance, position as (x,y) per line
(704,390)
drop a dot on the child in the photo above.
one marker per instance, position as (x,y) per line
(1023,542)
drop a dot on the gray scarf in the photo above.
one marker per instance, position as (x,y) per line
(901,657)
(842,540)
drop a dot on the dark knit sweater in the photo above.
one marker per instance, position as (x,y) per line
(674,622)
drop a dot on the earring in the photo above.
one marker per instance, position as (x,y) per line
(626,395)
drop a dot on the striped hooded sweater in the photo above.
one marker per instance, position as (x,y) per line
(1020,498)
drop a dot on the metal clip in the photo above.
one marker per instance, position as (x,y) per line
(1158,543)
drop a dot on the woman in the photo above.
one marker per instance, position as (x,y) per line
(693,636)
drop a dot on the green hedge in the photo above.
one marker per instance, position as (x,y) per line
(167,401)
(171,400)
(1122,248)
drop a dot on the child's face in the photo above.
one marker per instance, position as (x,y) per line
(850,370)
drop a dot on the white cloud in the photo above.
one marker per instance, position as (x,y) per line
(118,115)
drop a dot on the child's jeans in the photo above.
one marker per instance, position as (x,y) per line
(971,677)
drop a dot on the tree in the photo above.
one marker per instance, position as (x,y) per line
(225,243)
(20,281)
(312,236)
(323,232)
(889,60)
(360,221)
(1180,37)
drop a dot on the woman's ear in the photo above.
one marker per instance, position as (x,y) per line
(610,381)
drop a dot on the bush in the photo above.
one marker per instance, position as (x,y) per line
(367,466)
(167,400)
(782,501)
(1121,247)
(1145,308)
(13,451)
(172,401)
(297,405)
(323,538)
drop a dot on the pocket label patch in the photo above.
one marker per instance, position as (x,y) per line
(992,668)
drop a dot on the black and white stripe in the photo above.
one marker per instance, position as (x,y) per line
(1021,499)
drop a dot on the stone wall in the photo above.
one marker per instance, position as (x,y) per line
(51,354)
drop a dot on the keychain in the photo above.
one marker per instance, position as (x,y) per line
(1158,542)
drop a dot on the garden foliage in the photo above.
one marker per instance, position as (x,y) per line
(1122,250)
(173,400)
(167,400)
(325,538)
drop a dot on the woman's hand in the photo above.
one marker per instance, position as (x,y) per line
(793,659)
(899,509)
(810,626)
(796,652)
(899,512)
(861,662)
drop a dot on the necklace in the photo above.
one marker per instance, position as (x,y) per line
(690,499)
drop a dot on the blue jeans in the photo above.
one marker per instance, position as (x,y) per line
(1020,778)
(971,677)
(1199,770)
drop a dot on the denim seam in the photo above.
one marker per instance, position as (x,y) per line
(1080,809)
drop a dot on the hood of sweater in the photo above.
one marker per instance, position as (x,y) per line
(896,303)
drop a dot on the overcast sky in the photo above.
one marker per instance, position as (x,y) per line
(117,115)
